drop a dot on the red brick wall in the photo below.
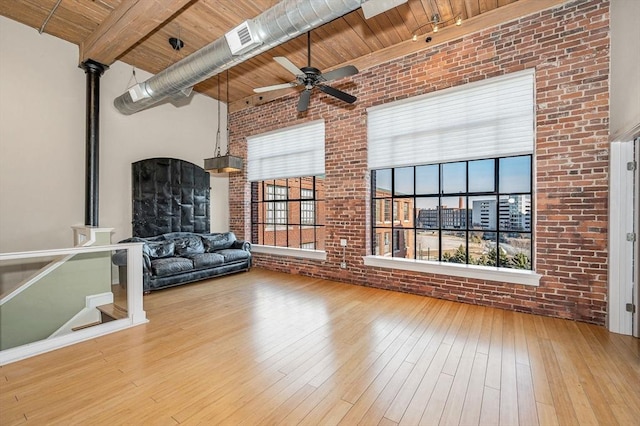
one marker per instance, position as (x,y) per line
(569,48)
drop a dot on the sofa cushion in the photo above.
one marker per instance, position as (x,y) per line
(159,249)
(188,246)
(214,242)
(231,255)
(206,260)
(170,266)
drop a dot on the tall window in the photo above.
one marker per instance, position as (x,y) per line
(475,212)
(289,212)
(286,170)
(459,160)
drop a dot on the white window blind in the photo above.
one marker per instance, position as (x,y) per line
(486,119)
(290,152)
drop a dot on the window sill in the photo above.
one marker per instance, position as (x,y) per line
(288,251)
(512,276)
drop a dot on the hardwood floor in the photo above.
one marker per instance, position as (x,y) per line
(264,348)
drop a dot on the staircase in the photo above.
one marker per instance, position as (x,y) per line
(111,312)
(105,310)
(108,312)
(72,294)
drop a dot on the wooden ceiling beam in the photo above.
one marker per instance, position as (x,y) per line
(488,19)
(129,23)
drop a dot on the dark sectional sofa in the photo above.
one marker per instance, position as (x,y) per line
(183,257)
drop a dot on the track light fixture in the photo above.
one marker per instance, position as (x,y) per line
(436,22)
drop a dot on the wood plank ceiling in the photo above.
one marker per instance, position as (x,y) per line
(136,32)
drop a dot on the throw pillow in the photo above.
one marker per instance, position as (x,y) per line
(189,246)
(159,249)
(215,242)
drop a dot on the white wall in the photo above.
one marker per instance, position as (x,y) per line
(42,142)
(625,69)
(187,133)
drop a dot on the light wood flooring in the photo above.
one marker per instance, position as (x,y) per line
(263,348)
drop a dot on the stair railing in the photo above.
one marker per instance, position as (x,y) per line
(135,311)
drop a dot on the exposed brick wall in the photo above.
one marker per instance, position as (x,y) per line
(569,48)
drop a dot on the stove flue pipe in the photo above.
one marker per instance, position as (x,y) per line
(93,71)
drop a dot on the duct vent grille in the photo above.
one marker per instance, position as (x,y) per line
(138,92)
(242,38)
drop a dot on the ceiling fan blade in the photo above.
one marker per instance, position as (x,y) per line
(303,103)
(288,65)
(337,93)
(275,87)
(345,71)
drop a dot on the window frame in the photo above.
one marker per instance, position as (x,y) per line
(295,207)
(443,226)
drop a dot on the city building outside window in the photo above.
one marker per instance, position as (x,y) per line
(276,209)
(289,212)
(473,212)
(387,210)
(307,207)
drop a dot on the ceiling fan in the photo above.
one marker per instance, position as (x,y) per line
(311,77)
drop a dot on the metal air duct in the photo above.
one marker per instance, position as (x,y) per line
(284,21)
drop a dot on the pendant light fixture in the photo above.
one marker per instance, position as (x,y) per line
(223,163)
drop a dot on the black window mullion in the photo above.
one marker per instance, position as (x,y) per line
(466,219)
(276,201)
(393,208)
(497,181)
(532,208)
(447,219)
(264,211)
(286,197)
(314,201)
(440,189)
(300,220)
(315,215)
(413,217)
(373,211)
